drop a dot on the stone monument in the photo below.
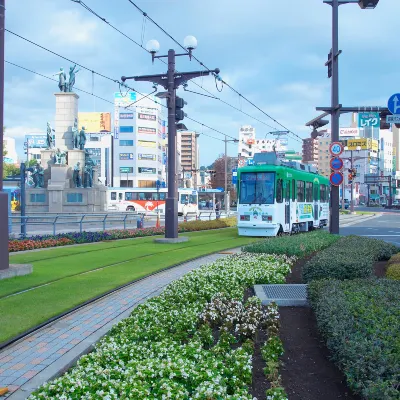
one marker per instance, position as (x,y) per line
(66,177)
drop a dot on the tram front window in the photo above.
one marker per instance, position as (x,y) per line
(257,188)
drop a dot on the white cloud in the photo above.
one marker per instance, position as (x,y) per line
(18,132)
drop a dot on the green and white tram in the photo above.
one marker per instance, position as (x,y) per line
(280,197)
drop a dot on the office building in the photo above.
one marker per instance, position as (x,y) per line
(310,151)
(9,145)
(189,157)
(139,142)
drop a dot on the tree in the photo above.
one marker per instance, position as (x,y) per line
(31,163)
(4,146)
(10,170)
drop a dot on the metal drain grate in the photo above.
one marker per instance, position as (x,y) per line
(286,295)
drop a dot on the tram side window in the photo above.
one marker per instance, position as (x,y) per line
(309,192)
(113,195)
(293,190)
(279,189)
(324,194)
(287,191)
(300,191)
(120,196)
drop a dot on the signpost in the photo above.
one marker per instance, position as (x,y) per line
(394,108)
(336,149)
(336,178)
(336,163)
(368,120)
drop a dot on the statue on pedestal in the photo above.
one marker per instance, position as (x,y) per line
(60,157)
(62,80)
(82,138)
(38,176)
(75,136)
(72,73)
(76,177)
(49,139)
(88,182)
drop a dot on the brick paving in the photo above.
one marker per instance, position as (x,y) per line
(43,355)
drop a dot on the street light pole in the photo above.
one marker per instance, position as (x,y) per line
(171,81)
(4,258)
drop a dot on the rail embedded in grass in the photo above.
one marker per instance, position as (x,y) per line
(360,322)
(169,347)
(301,245)
(111,265)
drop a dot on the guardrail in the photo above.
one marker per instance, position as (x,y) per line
(105,220)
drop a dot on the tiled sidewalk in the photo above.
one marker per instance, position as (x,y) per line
(46,353)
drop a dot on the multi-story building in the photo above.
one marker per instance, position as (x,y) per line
(247,141)
(189,154)
(9,145)
(33,146)
(139,142)
(324,157)
(310,151)
(98,146)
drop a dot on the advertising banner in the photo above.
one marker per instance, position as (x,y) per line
(36,141)
(124,99)
(95,122)
(346,132)
(147,117)
(126,156)
(146,170)
(126,170)
(126,115)
(147,143)
(368,120)
(364,143)
(151,157)
(141,129)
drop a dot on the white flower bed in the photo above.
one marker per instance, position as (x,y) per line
(160,352)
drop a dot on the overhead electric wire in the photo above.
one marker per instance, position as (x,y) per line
(210,93)
(208,69)
(104,76)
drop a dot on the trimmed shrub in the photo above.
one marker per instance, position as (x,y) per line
(203,225)
(395,259)
(350,257)
(393,272)
(360,322)
(295,245)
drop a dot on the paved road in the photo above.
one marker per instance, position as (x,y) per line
(385,227)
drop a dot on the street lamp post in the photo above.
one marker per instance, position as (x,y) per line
(333,68)
(171,81)
(226,171)
(4,258)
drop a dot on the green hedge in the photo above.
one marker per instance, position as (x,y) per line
(360,321)
(213,224)
(295,245)
(350,257)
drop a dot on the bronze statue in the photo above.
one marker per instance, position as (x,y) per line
(62,80)
(49,140)
(82,138)
(72,73)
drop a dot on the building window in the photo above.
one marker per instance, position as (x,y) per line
(126,129)
(94,139)
(37,156)
(74,197)
(38,197)
(126,142)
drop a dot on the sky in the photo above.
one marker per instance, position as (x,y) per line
(272,52)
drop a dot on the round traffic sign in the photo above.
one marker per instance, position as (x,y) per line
(336,178)
(336,148)
(336,163)
(394,103)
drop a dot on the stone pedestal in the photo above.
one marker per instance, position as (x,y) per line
(59,177)
(75,156)
(66,112)
(16,270)
(47,160)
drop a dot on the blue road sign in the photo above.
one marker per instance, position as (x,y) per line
(336,163)
(368,120)
(336,178)
(394,103)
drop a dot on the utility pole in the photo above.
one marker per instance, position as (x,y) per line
(4,258)
(226,174)
(171,81)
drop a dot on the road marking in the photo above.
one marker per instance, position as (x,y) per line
(381,235)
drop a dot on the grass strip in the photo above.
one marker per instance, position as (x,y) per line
(27,310)
(60,263)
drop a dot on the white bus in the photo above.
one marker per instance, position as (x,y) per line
(150,200)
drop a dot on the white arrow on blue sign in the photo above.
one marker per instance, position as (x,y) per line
(394,103)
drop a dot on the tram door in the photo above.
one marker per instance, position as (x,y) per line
(286,188)
(316,203)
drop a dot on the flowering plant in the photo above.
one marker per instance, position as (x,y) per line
(166,348)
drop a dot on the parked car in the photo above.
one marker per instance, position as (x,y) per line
(346,204)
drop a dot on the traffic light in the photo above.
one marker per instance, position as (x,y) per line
(350,178)
(354,172)
(316,125)
(179,104)
(212,172)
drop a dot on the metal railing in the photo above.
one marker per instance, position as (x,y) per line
(102,221)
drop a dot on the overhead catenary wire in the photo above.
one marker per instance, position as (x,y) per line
(208,69)
(200,86)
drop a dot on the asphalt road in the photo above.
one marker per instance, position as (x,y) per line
(385,227)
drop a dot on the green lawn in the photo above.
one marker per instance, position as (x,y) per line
(111,264)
